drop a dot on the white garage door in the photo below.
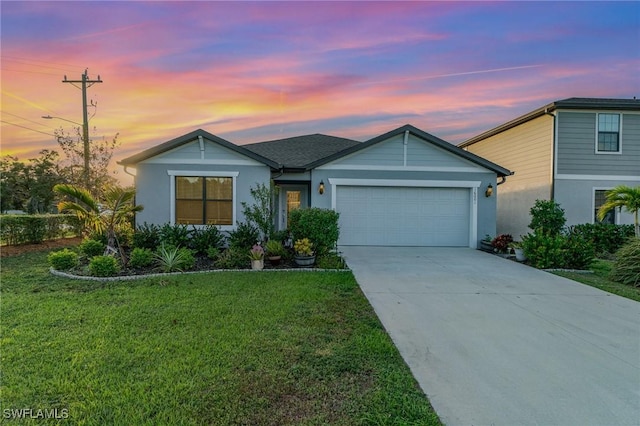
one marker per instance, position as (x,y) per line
(403,216)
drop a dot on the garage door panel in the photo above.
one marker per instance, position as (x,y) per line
(403,216)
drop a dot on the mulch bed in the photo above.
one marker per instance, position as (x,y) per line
(6,251)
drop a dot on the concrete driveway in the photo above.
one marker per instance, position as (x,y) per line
(493,342)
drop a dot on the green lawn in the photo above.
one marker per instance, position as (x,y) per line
(222,348)
(600,279)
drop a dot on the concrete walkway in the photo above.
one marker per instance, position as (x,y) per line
(493,342)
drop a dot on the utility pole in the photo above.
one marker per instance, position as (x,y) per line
(85,82)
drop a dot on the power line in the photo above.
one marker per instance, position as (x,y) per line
(28,128)
(25,118)
(35,61)
(30,72)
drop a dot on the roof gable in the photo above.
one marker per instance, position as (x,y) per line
(188,147)
(423,150)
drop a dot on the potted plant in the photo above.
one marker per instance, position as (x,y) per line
(274,250)
(304,255)
(485,244)
(256,254)
(516,247)
(501,244)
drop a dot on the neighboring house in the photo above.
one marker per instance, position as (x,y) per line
(570,151)
(403,188)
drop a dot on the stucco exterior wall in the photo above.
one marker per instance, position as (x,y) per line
(526,150)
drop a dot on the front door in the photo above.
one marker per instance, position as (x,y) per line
(292,197)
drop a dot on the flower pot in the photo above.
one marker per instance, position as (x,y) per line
(275,260)
(520,257)
(304,260)
(257,265)
(486,246)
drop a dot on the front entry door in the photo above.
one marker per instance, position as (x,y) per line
(292,197)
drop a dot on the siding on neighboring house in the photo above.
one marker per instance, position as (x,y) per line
(576,153)
(527,151)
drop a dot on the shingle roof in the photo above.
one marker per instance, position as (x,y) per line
(299,152)
(569,103)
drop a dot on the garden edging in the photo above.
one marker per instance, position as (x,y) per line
(168,274)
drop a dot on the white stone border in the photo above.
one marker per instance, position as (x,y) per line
(169,274)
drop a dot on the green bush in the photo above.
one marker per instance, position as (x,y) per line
(606,237)
(233,258)
(547,217)
(174,235)
(104,266)
(319,225)
(578,251)
(626,268)
(544,251)
(244,236)
(140,257)
(63,260)
(204,238)
(34,229)
(91,248)
(330,261)
(147,236)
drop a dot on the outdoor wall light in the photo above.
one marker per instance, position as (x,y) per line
(489,191)
(321,187)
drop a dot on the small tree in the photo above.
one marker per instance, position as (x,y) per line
(115,213)
(623,196)
(261,213)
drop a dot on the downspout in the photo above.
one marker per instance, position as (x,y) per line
(553,156)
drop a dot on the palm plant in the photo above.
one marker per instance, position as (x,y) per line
(623,196)
(114,213)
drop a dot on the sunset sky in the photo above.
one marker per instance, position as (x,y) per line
(256,71)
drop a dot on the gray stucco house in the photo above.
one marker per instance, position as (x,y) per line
(570,151)
(403,188)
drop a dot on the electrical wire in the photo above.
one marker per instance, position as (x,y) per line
(28,128)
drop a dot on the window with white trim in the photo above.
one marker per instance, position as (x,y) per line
(599,198)
(608,133)
(204,200)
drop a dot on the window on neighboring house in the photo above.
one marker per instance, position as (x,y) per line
(204,200)
(608,133)
(600,199)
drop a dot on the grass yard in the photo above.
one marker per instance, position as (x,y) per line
(599,279)
(225,348)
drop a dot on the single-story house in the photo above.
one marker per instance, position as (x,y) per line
(403,188)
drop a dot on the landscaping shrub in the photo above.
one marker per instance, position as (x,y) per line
(103,266)
(330,261)
(547,217)
(606,237)
(204,238)
(147,236)
(124,236)
(319,225)
(261,213)
(172,259)
(91,248)
(34,229)
(63,260)
(578,251)
(174,235)
(543,250)
(140,257)
(233,258)
(244,236)
(626,268)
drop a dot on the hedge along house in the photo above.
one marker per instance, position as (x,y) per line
(403,188)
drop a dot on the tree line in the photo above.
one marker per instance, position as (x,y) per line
(28,185)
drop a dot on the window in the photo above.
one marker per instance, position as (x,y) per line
(204,200)
(608,133)
(599,199)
